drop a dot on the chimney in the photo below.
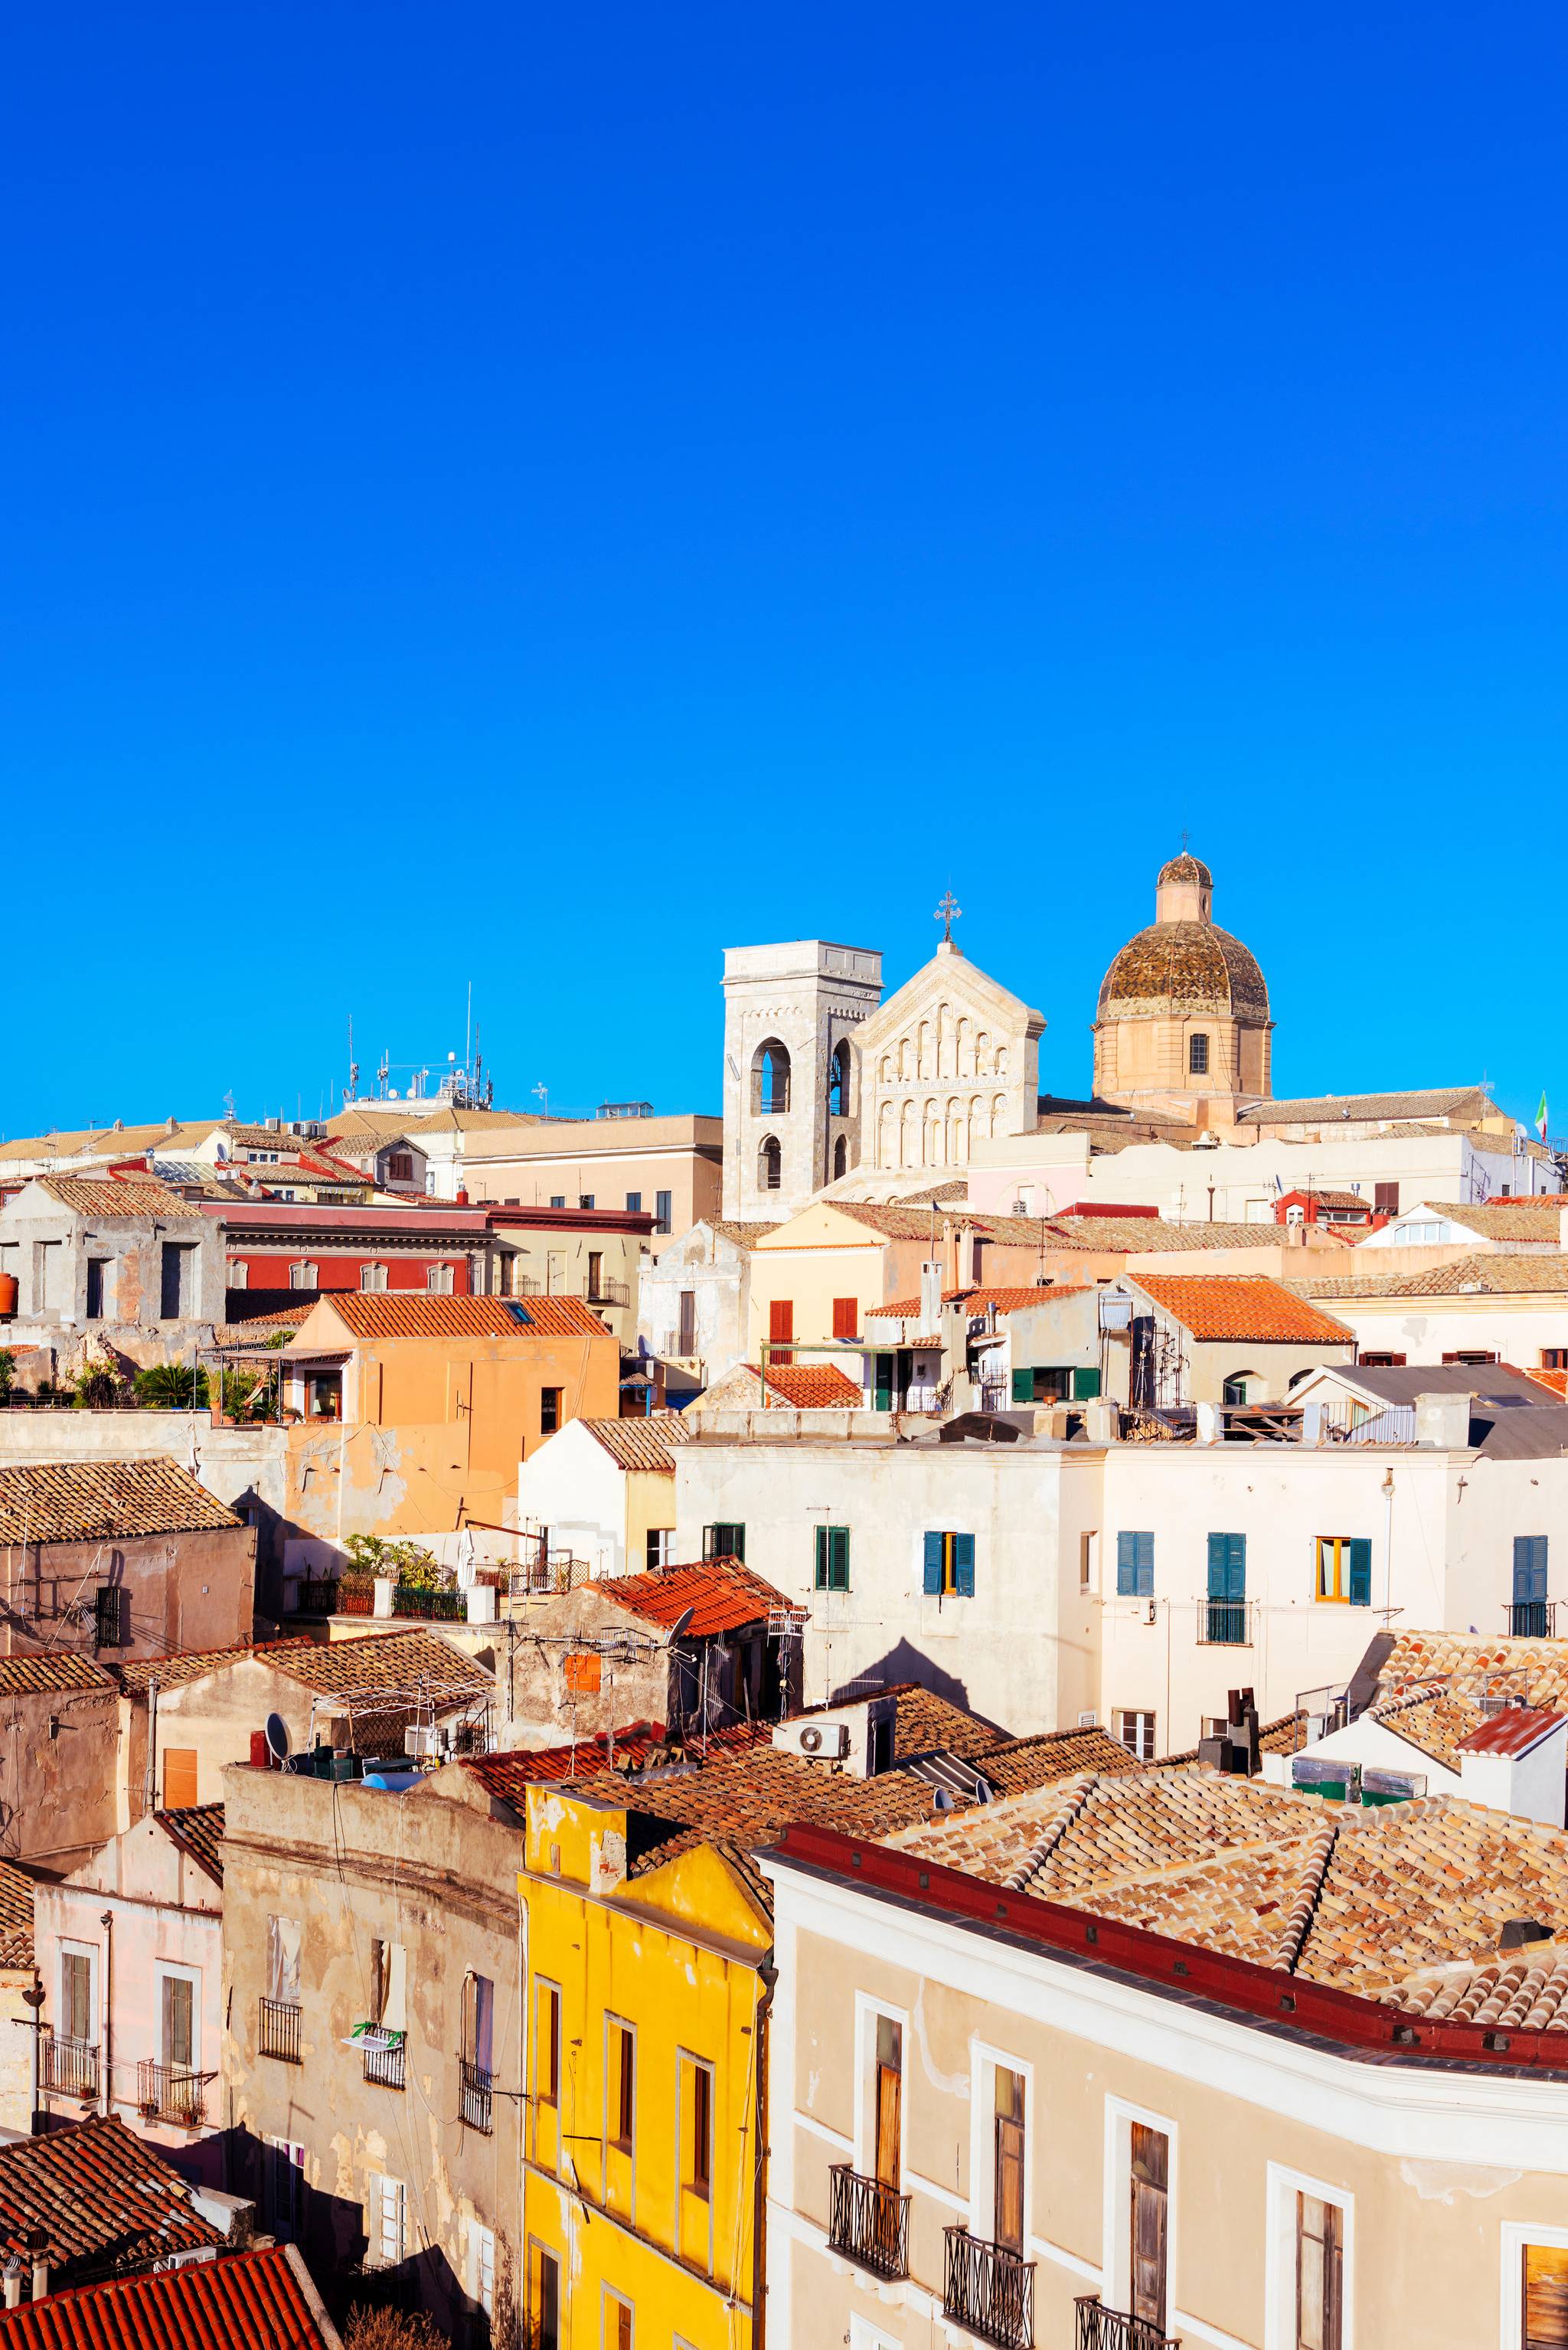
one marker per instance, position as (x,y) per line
(13,2282)
(1444,1422)
(40,2276)
(1515,1763)
(931,1299)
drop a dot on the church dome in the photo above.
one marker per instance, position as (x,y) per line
(1186,867)
(1184,967)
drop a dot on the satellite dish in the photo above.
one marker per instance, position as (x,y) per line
(679,1624)
(278,1737)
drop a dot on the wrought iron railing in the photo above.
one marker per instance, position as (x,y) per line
(278,2033)
(989,2289)
(1100,2328)
(356,1594)
(386,2066)
(411,1599)
(868,2222)
(1531,1619)
(69,2067)
(172,2093)
(317,1596)
(475,2096)
(1224,1623)
(606,1292)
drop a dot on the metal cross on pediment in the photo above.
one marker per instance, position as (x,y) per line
(949,912)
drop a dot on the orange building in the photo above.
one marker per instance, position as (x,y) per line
(414,1411)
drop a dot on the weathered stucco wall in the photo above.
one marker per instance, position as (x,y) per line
(191,1590)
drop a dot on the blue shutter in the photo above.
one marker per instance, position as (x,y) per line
(963,1566)
(1529,1567)
(1145,1566)
(933,1566)
(1360,1574)
(1126,1564)
(1227,1567)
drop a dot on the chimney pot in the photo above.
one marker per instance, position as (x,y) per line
(40,2278)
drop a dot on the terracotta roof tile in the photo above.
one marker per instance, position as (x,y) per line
(114,1197)
(721,1593)
(103,2195)
(392,1314)
(1243,1306)
(1337,1109)
(1497,1274)
(649,1442)
(811,1387)
(1148,1235)
(250,2301)
(1467,1666)
(198,1832)
(79,1500)
(511,1775)
(367,1664)
(57,1669)
(15,1916)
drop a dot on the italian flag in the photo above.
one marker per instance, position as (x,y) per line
(1540,1115)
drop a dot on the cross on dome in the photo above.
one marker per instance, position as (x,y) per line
(949,912)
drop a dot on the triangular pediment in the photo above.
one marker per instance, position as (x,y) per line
(951,978)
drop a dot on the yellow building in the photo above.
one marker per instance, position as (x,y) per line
(642,2153)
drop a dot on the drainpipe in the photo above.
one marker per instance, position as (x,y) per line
(105,2098)
(34,1998)
(149,1779)
(768,1975)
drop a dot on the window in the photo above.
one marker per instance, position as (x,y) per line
(282,2185)
(769,1165)
(845,1317)
(283,1942)
(302,1276)
(507,1271)
(400,1166)
(1225,1618)
(549,1410)
(1383,1362)
(544,2297)
(1543,2287)
(727,1539)
(686,1336)
(178,1297)
(1320,2274)
(832,1558)
(439,1280)
(557,1199)
(78,2007)
(663,1207)
(840,1159)
(617,2322)
(781,1327)
(1008,2173)
(838,1082)
(1135,1565)
(660,1546)
(1239,1387)
(634,1203)
(113,1623)
(1088,1559)
(1197,1056)
(372,1276)
(389,2221)
(1386,1199)
(622,2084)
(239,1274)
(887,2153)
(388,1986)
(1345,1569)
(1552,1359)
(1136,1731)
(1149,2186)
(582,1670)
(1528,1616)
(548,2045)
(1474,1355)
(179,1778)
(596,1272)
(178,2008)
(482,2266)
(949,1566)
(96,1284)
(770,1079)
(697,2125)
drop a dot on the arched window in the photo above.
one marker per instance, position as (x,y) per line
(1236,1388)
(769,1165)
(372,1276)
(1197,1055)
(439,1281)
(840,1158)
(770,1079)
(839,1081)
(302,1276)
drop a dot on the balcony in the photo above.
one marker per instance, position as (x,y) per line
(1224,1623)
(1112,2329)
(868,2222)
(69,2067)
(172,2093)
(277,2032)
(1531,1619)
(386,2066)
(317,1596)
(990,2290)
(475,2096)
(605,1291)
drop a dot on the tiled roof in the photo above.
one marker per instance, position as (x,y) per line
(721,1593)
(1498,1274)
(198,1832)
(1245,1306)
(1195,965)
(1514,1731)
(1506,1220)
(811,1387)
(648,1443)
(113,1198)
(102,2194)
(1525,1991)
(975,1301)
(743,1236)
(79,1500)
(57,1669)
(1143,1235)
(1433,1721)
(366,1664)
(15,1916)
(194,1664)
(391,1314)
(1022,1764)
(1330,1109)
(511,1775)
(925,1723)
(1466,1666)
(1554,1382)
(250,2301)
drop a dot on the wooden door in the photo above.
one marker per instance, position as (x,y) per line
(1150,2177)
(1545,2298)
(1008,2225)
(1320,2314)
(889,2100)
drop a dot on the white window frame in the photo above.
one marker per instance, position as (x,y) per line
(304,1274)
(239,1274)
(381,2181)
(1120,1712)
(480,2240)
(985,2059)
(608,2293)
(440,1279)
(92,1952)
(1089,1559)
(1116,2255)
(1280,2305)
(193,1975)
(1516,2234)
(292,2166)
(373,1275)
(868,2011)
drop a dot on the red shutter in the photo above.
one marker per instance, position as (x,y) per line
(781,1325)
(845,1317)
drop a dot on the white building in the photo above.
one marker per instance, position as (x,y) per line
(790,1110)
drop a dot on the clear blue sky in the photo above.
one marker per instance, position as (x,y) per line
(537,496)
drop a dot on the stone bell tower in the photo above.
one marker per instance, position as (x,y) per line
(791,1077)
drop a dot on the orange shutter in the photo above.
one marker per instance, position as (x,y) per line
(583,1673)
(179,1778)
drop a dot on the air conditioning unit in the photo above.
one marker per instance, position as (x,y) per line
(820,1741)
(1088,1721)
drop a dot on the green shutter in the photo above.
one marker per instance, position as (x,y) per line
(838,1558)
(821,1578)
(1227,1567)
(884,1383)
(1086,1386)
(933,1566)
(963,1566)
(1022,1386)
(1360,1574)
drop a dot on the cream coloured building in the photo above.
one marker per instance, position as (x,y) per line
(949,1060)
